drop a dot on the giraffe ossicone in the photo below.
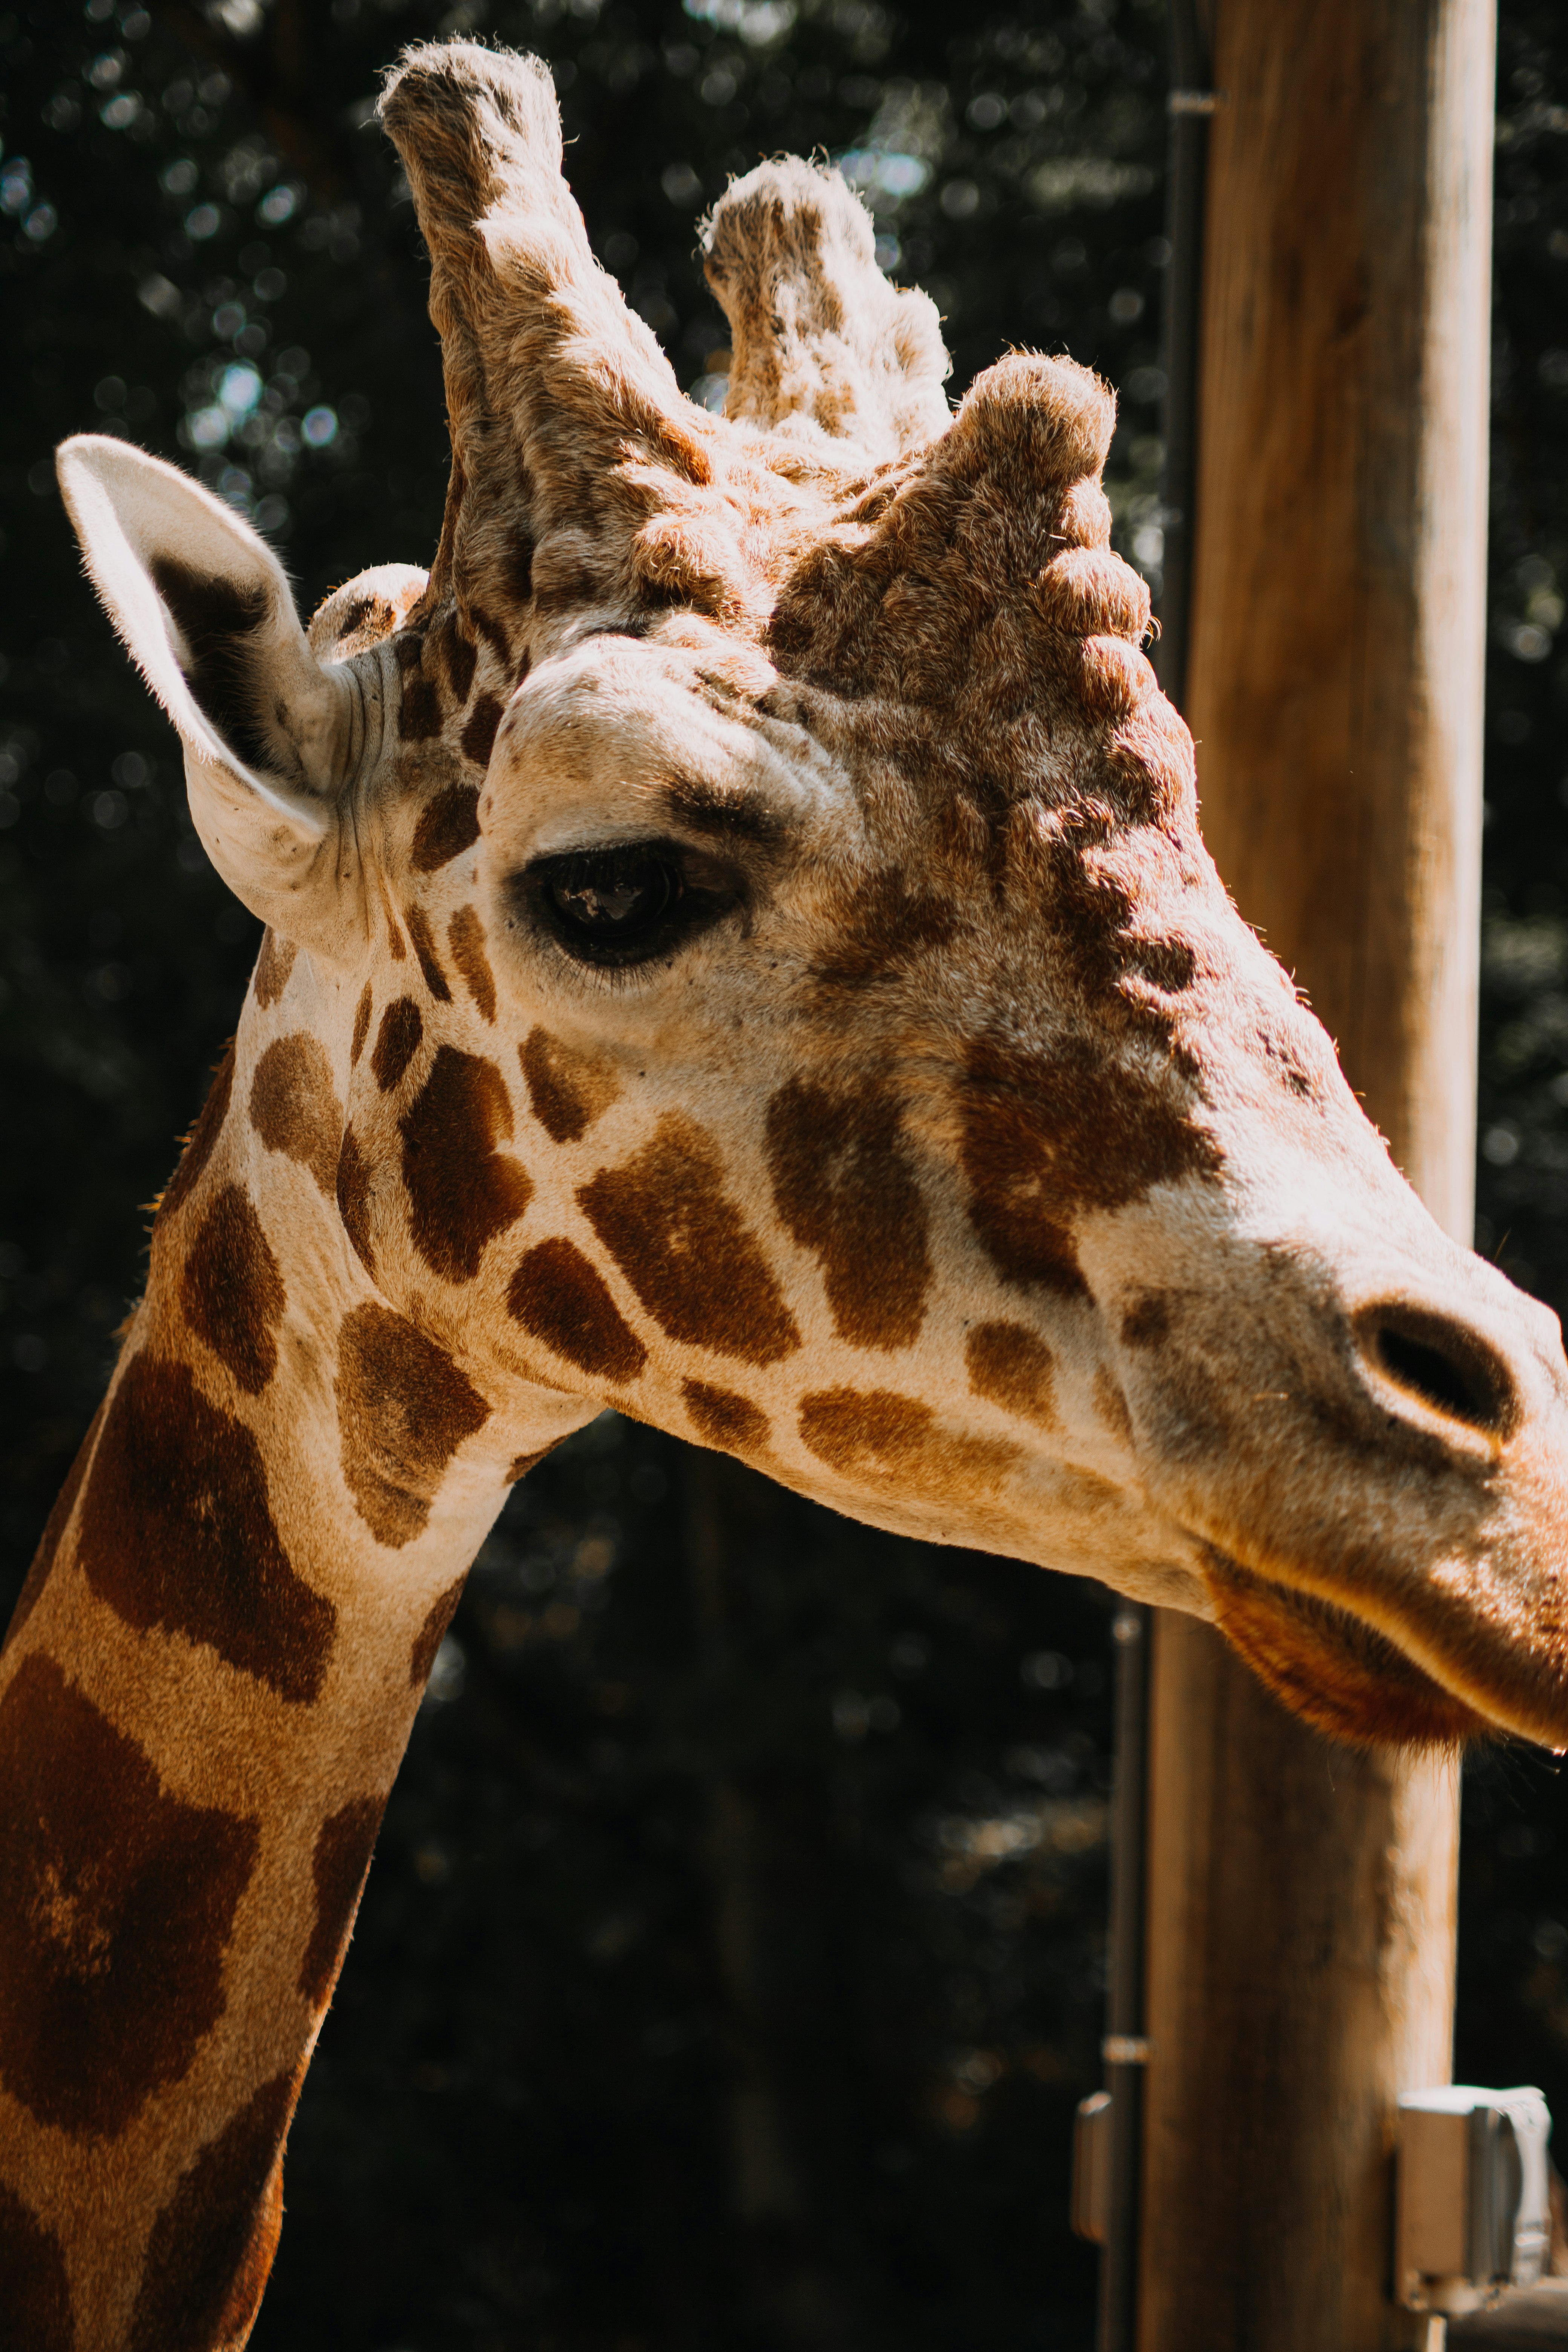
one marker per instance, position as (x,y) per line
(740,949)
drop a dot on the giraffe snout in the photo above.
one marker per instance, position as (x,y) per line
(1375,1460)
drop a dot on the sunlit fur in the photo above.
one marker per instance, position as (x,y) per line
(969,1166)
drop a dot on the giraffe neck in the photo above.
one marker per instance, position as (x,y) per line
(203,1699)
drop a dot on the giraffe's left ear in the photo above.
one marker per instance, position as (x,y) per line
(205,612)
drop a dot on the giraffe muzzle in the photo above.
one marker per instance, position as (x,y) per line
(1377,1472)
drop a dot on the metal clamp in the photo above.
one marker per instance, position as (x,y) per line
(1126,2049)
(1473,2213)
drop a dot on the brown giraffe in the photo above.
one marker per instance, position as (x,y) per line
(740,949)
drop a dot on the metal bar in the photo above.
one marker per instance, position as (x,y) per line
(1125,2048)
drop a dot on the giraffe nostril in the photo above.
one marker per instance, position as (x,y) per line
(1445,1365)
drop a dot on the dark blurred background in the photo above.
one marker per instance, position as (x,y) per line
(734,1953)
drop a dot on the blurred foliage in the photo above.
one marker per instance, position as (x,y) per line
(733,1956)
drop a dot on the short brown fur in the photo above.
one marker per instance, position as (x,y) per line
(462,1191)
(176,1531)
(231,1291)
(687,1252)
(293,1107)
(403,1409)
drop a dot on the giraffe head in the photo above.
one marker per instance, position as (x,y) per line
(748,906)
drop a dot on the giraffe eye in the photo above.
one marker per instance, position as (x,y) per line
(614,896)
(626,904)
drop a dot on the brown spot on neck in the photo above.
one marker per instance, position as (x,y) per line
(845,1190)
(361,1024)
(396,1042)
(34,2293)
(723,1419)
(344,1844)
(687,1251)
(559,1297)
(403,1409)
(273,966)
(433,1632)
(568,1090)
(212,2246)
(177,1531)
(1013,1367)
(353,1200)
(1168,963)
(231,1290)
(462,1191)
(884,1443)
(117,1903)
(466,938)
(294,1108)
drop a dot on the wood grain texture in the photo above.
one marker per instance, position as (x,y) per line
(1301,1937)
(1302,1895)
(1339,574)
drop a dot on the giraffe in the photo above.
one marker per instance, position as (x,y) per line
(739,950)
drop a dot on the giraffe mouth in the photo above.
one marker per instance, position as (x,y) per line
(1333,1669)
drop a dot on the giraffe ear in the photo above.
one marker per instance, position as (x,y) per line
(205,612)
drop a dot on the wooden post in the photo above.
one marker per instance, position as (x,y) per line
(1302,1895)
